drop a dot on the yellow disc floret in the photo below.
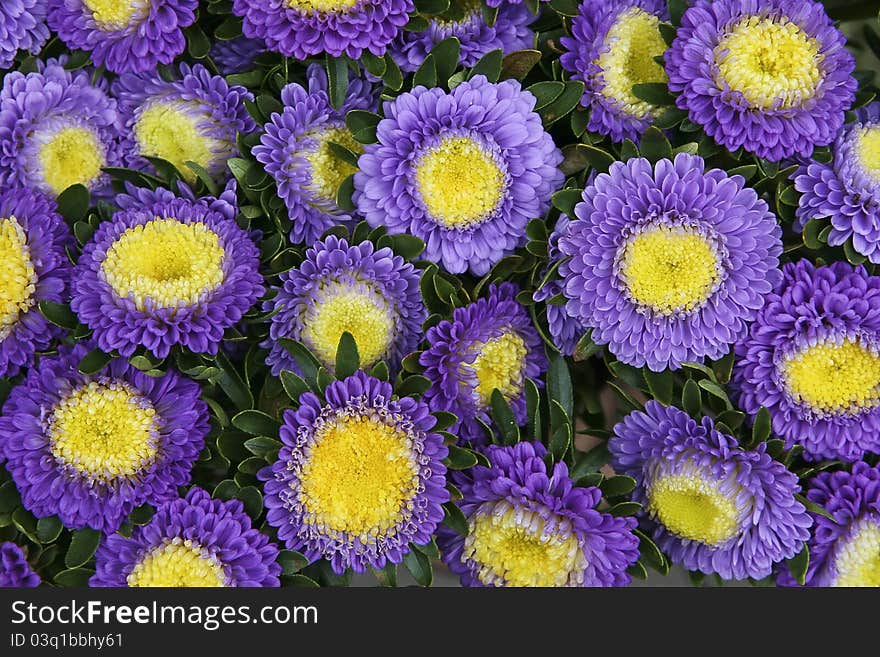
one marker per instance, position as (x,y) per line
(178,563)
(104,431)
(772,62)
(858,561)
(321,6)
(512,547)
(111,15)
(18,280)
(500,364)
(868,150)
(171,131)
(363,313)
(459,182)
(670,269)
(359,477)
(166,261)
(627,58)
(71,156)
(834,378)
(691,506)
(326,168)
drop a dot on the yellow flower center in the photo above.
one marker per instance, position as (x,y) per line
(500,364)
(459,182)
(104,430)
(868,150)
(692,507)
(363,313)
(628,55)
(71,156)
(858,562)
(18,280)
(327,170)
(772,62)
(170,131)
(179,563)
(321,6)
(513,547)
(166,262)
(111,15)
(670,269)
(834,378)
(360,476)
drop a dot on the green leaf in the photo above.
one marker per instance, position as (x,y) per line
(59,314)
(655,93)
(94,361)
(252,499)
(337,79)
(374,64)
(559,384)
(429,549)
(419,566)
(812,507)
(293,385)
(291,562)
(563,104)
(660,384)
(299,581)
(387,576)
(676,10)
(586,347)
(141,515)
(565,200)
(444,420)
(852,256)
(431,7)
(362,125)
(454,518)
(198,43)
(460,458)
(48,529)
(228,29)
(445,56)
(256,423)
(426,74)
(26,523)
(488,65)
(638,570)
(747,171)
(692,399)
(74,577)
(625,509)
(504,419)
(654,145)
(225,490)
(716,391)
(393,77)
(560,439)
(565,7)
(83,544)
(73,203)
(590,462)
(263,446)
(304,358)
(533,408)
(600,160)
(518,64)
(9,497)
(799,564)
(618,485)
(761,427)
(348,361)
(651,553)
(545,93)
(413,385)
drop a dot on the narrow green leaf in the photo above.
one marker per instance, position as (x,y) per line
(716,391)
(625,509)
(559,386)
(293,385)
(660,384)
(348,361)
(761,427)
(256,423)
(83,544)
(618,485)
(455,519)
(812,507)
(504,419)
(393,77)
(337,79)
(419,566)
(692,399)
(460,458)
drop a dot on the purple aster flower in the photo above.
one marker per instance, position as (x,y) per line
(360,476)
(848,189)
(171,272)
(465,171)
(236,55)
(771,76)
(565,330)
(56,130)
(669,263)
(125,37)
(295,149)
(90,448)
(812,357)
(714,506)
(373,294)
(531,527)
(612,48)
(845,551)
(23,27)
(190,541)
(196,118)
(489,344)
(509,32)
(33,268)
(15,571)
(303,28)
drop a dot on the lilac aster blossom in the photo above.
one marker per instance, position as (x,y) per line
(304,28)
(848,188)
(371,293)
(295,149)
(565,330)
(844,551)
(190,542)
(465,171)
(360,476)
(713,506)
(531,527)
(15,571)
(33,268)
(125,37)
(56,130)
(812,357)
(196,118)
(612,48)
(509,32)
(489,344)
(22,27)
(92,447)
(771,76)
(172,272)
(236,55)
(669,263)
